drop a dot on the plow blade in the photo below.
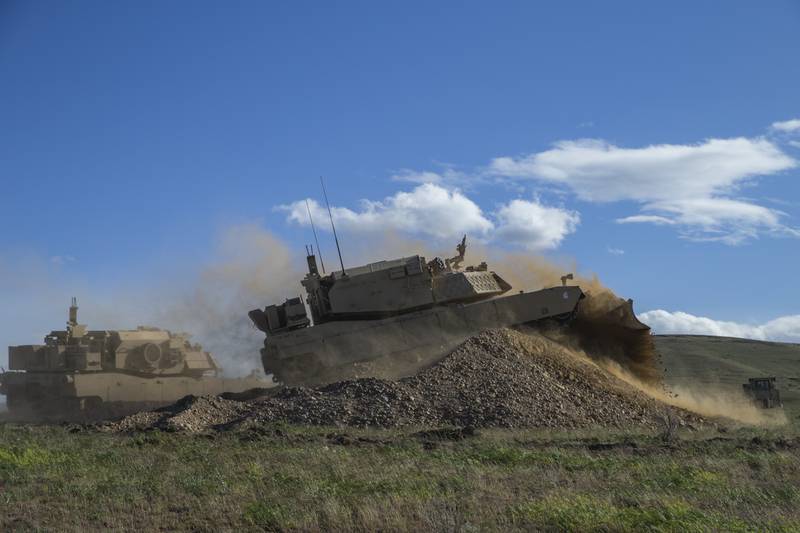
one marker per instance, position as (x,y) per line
(606,327)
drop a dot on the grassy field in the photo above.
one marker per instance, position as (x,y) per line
(284,478)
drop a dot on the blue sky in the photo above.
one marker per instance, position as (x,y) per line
(652,144)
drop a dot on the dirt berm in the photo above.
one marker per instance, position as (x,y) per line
(499,378)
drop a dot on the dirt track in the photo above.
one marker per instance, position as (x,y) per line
(500,378)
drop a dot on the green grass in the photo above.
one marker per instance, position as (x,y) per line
(587,513)
(300,479)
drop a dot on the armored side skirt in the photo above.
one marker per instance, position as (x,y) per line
(294,356)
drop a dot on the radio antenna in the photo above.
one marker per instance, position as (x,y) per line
(319,250)
(330,215)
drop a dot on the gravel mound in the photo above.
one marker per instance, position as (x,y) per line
(191,414)
(499,378)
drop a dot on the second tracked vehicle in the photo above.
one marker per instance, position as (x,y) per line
(82,374)
(410,311)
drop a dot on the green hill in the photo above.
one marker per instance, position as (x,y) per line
(725,362)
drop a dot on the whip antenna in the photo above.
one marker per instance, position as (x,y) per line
(319,250)
(330,215)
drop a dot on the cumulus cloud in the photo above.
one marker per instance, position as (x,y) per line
(686,185)
(786,328)
(428,209)
(434,211)
(787,126)
(534,226)
(693,188)
(615,251)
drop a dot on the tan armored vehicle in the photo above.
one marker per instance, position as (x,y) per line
(80,373)
(406,310)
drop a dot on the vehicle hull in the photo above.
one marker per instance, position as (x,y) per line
(92,395)
(313,354)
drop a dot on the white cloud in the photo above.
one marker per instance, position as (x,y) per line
(785,328)
(716,219)
(615,251)
(412,176)
(650,219)
(435,211)
(601,172)
(707,212)
(690,187)
(787,126)
(534,226)
(686,185)
(428,209)
(796,144)
(448,176)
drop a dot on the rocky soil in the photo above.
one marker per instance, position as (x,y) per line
(499,378)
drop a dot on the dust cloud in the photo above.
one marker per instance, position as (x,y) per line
(712,401)
(251,268)
(248,267)
(605,326)
(625,352)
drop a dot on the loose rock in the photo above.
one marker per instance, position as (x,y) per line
(499,378)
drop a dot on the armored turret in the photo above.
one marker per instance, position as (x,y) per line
(382,289)
(143,351)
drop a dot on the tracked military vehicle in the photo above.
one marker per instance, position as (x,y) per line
(81,373)
(763,392)
(408,310)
